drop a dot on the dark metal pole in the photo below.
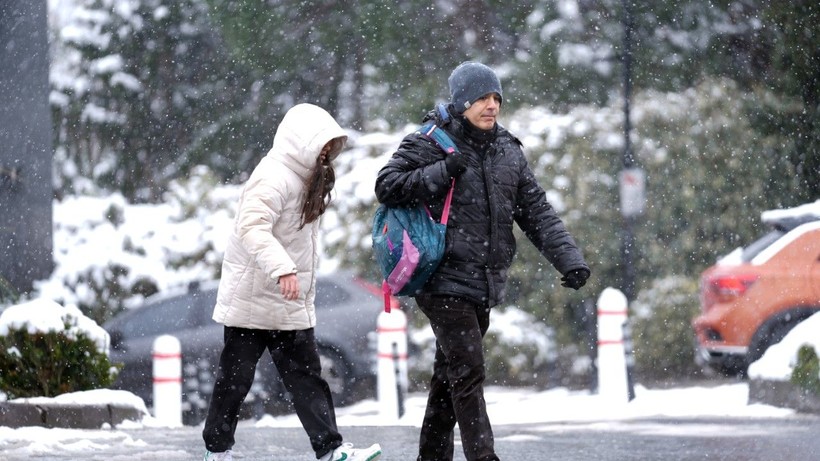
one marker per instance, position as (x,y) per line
(628,159)
(629,216)
(628,243)
(397,372)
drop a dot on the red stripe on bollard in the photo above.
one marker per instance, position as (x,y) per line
(391,356)
(162,356)
(390,330)
(605,312)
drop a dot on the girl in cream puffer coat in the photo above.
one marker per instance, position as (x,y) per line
(267,289)
(268,239)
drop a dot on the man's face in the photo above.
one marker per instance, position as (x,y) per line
(484,112)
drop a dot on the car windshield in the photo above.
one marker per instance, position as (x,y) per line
(760,244)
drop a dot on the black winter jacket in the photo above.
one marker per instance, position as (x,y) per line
(497,189)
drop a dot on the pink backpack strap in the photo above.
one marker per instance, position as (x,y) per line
(445,213)
(387,294)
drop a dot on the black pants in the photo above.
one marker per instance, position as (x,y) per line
(296,357)
(457,387)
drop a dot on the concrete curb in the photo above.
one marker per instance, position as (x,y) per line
(783,394)
(51,415)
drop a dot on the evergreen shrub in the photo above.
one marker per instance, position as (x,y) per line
(806,373)
(663,339)
(519,350)
(38,364)
(7,292)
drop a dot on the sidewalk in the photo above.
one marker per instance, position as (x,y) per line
(185,443)
(705,419)
(63,414)
(652,439)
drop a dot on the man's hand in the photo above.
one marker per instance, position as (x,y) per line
(289,286)
(575,278)
(456,163)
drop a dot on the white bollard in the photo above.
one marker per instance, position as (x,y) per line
(612,367)
(167,356)
(391,329)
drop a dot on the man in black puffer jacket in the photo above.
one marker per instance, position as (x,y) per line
(494,188)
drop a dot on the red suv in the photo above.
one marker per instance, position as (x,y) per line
(752,297)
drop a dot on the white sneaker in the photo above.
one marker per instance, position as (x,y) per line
(221,456)
(346,452)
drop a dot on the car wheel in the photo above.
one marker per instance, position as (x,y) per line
(335,373)
(275,399)
(732,367)
(197,387)
(765,338)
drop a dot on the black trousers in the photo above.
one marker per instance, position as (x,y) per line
(296,357)
(457,387)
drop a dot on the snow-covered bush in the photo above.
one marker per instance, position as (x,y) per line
(661,329)
(7,292)
(518,349)
(58,350)
(806,373)
(109,254)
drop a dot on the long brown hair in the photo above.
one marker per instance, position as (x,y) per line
(321,182)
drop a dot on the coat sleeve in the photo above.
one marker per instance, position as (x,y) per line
(415,174)
(261,207)
(543,227)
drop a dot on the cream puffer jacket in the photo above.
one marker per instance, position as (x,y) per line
(266,241)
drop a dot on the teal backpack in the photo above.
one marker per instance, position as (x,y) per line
(407,242)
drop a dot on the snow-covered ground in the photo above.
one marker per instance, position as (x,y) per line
(505,406)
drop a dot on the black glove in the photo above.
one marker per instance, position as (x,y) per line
(456,163)
(575,278)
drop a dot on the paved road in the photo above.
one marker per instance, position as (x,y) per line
(665,439)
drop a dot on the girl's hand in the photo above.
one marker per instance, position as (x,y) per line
(289,286)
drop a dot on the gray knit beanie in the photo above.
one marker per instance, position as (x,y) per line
(470,81)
